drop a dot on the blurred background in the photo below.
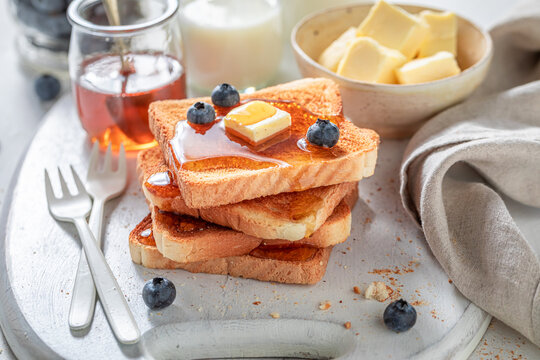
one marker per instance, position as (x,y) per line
(35,37)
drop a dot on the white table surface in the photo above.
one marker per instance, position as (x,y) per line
(21,111)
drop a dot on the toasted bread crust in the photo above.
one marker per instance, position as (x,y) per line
(246,266)
(289,216)
(205,241)
(204,189)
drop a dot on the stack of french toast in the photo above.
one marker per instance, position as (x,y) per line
(247,193)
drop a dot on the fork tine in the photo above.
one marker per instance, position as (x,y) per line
(63,185)
(48,187)
(122,160)
(108,156)
(94,155)
(80,187)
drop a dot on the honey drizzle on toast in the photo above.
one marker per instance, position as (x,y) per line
(162,188)
(208,147)
(299,206)
(283,252)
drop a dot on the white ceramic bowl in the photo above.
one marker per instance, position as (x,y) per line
(394,111)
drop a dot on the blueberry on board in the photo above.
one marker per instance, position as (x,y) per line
(399,316)
(225,95)
(47,87)
(158,293)
(323,133)
(49,6)
(201,113)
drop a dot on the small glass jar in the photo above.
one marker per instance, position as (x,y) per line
(43,39)
(117,71)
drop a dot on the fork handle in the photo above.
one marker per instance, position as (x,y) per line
(110,295)
(83,299)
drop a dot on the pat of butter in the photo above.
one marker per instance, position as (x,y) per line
(439,66)
(395,28)
(442,35)
(257,121)
(367,60)
(334,53)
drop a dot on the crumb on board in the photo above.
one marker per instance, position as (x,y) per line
(274,315)
(356,290)
(325,305)
(379,291)
(347,325)
(256,303)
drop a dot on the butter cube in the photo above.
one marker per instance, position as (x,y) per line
(367,60)
(395,28)
(257,121)
(431,68)
(332,55)
(442,35)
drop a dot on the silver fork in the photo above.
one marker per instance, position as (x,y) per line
(75,208)
(102,186)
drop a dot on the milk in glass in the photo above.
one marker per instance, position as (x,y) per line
(233,41)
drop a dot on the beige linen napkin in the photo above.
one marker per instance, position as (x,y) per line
(496,138)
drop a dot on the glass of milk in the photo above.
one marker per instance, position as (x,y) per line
(234,41)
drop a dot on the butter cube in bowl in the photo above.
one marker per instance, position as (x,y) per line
(396,65)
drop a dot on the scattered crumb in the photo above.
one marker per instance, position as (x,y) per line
(450,281)
(275,315)
(256,303)
(347,325)
(379,291)
(356,290)
(398,238)
(325,305)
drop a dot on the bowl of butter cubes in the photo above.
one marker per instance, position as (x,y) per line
(396,65)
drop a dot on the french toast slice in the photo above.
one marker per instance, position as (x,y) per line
(306,267)
(186,239)
(290,216)
(233,179)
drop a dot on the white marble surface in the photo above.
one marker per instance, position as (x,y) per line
(20,113)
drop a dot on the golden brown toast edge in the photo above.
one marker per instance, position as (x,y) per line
(246,266)
(268,217)
(221,187)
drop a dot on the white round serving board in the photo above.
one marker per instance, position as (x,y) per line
(214,315)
